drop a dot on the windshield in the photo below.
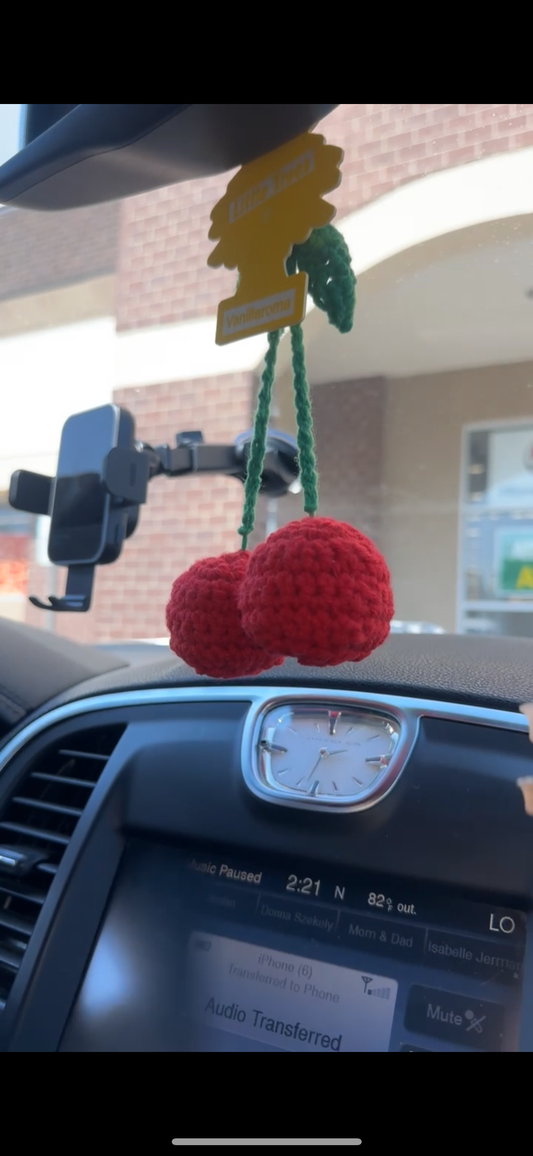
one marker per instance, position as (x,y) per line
(423,413)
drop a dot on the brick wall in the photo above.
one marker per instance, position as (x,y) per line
(348,419)
(41,251)
(163,275)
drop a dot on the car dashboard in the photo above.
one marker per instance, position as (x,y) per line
(167,885)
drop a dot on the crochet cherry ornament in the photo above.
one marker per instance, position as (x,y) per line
(319,591)
(204,620)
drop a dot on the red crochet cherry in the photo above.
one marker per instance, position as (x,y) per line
(204,620)
(318,590)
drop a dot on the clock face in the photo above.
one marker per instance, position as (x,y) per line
(325,754)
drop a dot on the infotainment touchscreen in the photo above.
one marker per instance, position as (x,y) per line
(213,952)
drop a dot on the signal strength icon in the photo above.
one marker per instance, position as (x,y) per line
(380,992)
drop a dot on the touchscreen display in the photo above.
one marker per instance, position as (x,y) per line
(207,952)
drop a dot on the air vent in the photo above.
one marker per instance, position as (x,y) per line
(35,830)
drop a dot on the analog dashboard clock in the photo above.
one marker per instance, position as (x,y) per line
(326,756)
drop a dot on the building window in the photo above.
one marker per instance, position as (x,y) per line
(496,530)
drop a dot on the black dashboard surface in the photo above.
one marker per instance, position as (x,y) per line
(456,668)
(41,670)
(36,665)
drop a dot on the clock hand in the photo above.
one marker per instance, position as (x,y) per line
(323,755)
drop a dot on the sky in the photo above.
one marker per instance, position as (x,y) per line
(9,130)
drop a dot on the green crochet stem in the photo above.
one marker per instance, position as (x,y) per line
(326,260)
(254,472)
(304,423)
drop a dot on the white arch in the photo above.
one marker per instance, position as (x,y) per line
(445,202)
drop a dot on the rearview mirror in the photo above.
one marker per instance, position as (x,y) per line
(84,154)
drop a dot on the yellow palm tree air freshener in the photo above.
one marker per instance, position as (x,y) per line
(271,205)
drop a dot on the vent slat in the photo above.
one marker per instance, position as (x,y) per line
(54,799)
(15,923)
(16,889)
(74,812)
(35,833)
(10,959)
(83,755)
(45,778)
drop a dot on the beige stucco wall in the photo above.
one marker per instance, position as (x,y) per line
(423,422)
(65,306)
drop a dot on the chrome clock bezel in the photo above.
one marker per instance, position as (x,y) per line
(362,800)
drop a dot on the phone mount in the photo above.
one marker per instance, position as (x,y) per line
(126,474)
